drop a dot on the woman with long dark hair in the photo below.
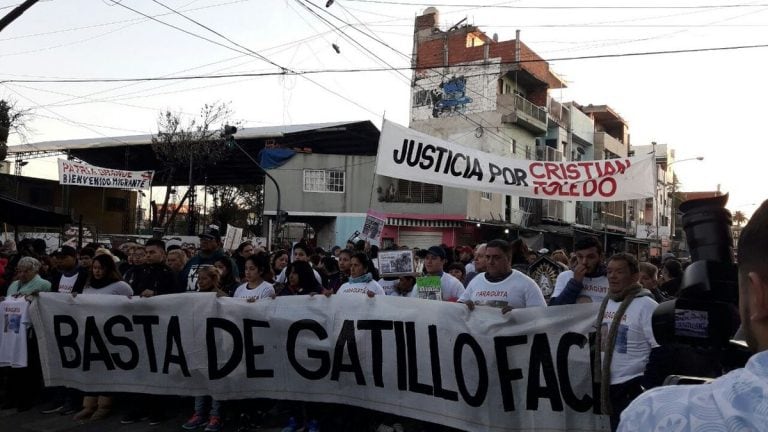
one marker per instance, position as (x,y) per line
(227,281)
(300,280)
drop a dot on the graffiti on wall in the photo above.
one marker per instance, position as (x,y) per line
(448,99)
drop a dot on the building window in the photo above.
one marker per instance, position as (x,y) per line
(415,192)
(324,181)
(486,195)
(513,146)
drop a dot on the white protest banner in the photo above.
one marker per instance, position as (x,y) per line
(80,174)
(435,361)
(408,154)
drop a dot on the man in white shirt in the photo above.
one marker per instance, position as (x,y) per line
(501,286)
(587,282)
(450,287)
(736,401)
(625,336)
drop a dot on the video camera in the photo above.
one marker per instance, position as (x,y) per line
(705,315)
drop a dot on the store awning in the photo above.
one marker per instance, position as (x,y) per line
(15,212)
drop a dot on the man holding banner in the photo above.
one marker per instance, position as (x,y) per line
(500,285)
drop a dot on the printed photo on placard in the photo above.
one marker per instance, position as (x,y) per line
(396,263)
(372,229)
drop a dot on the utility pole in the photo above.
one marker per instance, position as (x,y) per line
(15,13)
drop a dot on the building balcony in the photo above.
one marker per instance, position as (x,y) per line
(522,112)
(607,142)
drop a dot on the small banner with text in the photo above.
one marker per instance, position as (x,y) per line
(80,174)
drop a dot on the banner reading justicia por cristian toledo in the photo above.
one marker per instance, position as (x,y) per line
(528,369)
(408,154)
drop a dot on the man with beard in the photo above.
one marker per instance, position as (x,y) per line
(587,282)
(736,401)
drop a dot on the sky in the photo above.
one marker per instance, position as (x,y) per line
(705,103)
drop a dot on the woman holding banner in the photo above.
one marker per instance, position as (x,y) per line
(360,280)
(103,279)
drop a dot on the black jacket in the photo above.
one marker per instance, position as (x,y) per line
(82,278)
(158,278)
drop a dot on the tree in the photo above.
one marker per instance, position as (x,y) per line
(739,218)
(240,206)
(193,146)
(12,119)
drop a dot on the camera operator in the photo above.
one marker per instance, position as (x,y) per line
(738,400)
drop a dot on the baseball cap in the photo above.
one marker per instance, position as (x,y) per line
(463,249)
(436,251)
(65,251)
(211,233)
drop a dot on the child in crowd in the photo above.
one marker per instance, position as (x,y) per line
(255,287)
(207,410)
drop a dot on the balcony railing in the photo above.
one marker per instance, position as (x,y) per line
(607,142)
(524,112)
(531,109)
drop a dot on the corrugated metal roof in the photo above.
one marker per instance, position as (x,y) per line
(132,140)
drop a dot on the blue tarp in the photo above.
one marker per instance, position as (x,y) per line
(275,157)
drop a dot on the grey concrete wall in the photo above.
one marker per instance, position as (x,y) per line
(359,173)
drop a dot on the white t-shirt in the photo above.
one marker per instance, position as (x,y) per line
(451,289)
(469,268)
(361,288)
(594,288)
(517,290)
(264,290)
(634,339)
(67,283)
(14,320)
(115,288)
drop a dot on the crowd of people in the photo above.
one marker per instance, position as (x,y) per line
(492,274)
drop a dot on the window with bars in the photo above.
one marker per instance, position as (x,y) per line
(415,192)
(324,181)
(486,195)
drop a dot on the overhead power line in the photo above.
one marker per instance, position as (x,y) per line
(283,70)
(378,69)
(567,7)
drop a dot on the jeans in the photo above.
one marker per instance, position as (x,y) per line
(201,406)
(621,395)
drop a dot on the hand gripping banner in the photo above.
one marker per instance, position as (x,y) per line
(408,154)
(528,369)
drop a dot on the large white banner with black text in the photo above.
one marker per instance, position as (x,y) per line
(435,361)
(408,154)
